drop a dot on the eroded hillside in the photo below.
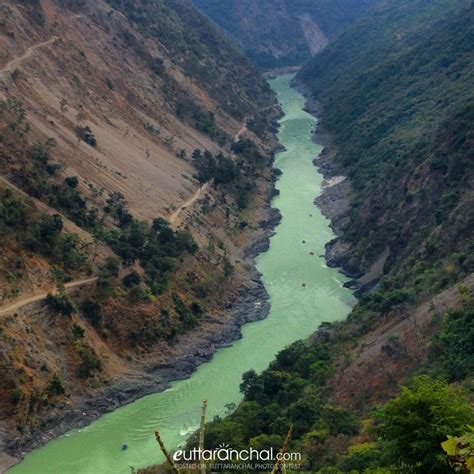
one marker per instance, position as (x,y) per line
(134,181)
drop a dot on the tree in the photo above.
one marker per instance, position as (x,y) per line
(131,279)
(60,304)
(92,312)
(250,384)
(72,181)
(85,134)
(55,387)
(415,423)
(456,340)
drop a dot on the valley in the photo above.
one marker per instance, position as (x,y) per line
(296,250)
(301,287)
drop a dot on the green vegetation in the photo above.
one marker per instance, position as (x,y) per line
(92,312)
(85,134)
(39,180)
(220,169)
(460,451)
(39,233)
(55,387)
(202,120)
(415,423)
(89,363)
(232,175)
(406,433)
(157,247)
(188,317)
(404,136)
(204,55)
(60,304)
(455,344)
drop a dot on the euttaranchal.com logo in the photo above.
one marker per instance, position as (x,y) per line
(225,457)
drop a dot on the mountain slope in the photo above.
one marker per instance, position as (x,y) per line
(280,33)
(404,133)
(115,117)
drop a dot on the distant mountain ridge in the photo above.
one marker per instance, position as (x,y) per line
(280,33)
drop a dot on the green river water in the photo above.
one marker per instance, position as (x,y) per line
(296,311)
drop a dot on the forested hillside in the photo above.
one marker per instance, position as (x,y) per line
(126,200)
(396,94)
(404,136)
(280,33)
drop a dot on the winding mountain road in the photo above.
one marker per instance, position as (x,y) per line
(42,296)
(189,202)
(15,62)
(204,187)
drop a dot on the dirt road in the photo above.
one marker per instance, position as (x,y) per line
(202,189)
(32,299)
(15,62)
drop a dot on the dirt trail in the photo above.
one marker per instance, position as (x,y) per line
(32,299)
(189,202)
(14,62)
(204,187)
(241,131)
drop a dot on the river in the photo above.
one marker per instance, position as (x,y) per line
(303,293)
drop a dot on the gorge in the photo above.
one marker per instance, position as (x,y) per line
(303,291)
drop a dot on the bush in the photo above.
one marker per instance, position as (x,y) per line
(131,279)
(72,181)
(60,304)
(78,331)
(89,362)
(55,387)
(456,340)
(361,457)
(92,312)
(85,134)
(16,395)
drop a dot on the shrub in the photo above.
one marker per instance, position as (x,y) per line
(456,340)
(131,279)
(78,331)
(60,304)
(72,181)
(85,134)
(89,362)
(56,387)
(92,312)
(16,395)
